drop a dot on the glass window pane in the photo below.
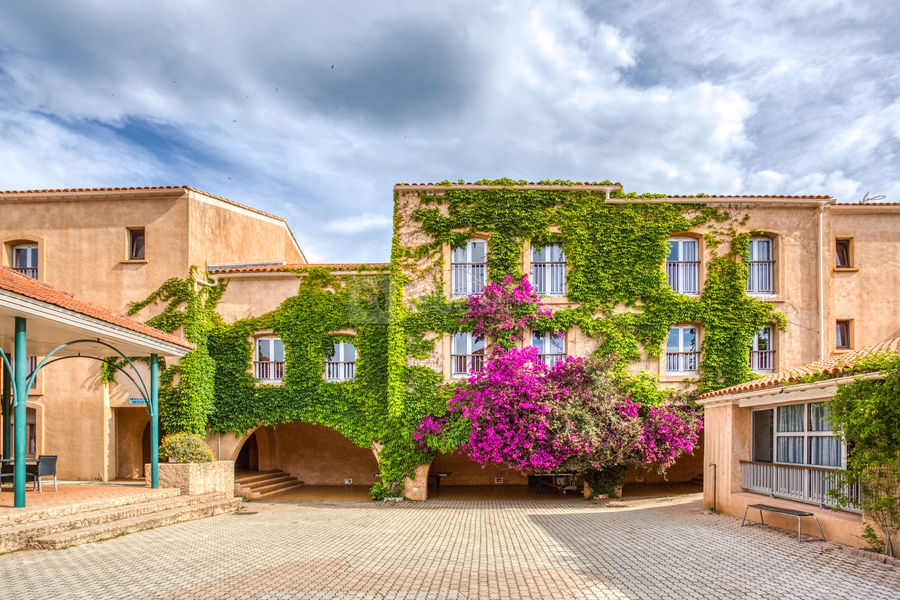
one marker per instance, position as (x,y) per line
(537,340)
(762,342)
(672,344)
(790,449)
(477,346)
(459,255)
(349,352)
(842,253)
(277,350)
(690,339)
(824,451)
(842,335)
(557,344)
(460,345)
(673,251)
(818,417)
(537,254)
(762,435)
(263,350)
(790,418)
(555,253)
(689,250)
(477,251)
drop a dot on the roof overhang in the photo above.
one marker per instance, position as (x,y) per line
(48,326)
(785,394)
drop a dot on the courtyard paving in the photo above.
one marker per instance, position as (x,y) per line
(453,550)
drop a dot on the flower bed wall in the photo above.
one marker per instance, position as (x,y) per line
(196,478)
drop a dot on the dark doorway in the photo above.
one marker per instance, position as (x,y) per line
(145,445)
(248,457)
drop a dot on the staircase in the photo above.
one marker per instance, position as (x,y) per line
(67,526)
(253,484)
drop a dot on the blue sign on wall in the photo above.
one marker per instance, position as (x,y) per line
(136,401)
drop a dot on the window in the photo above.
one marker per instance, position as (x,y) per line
(548,270)
(30,431)
(762,353)
(683,266)
(30,365)
(802,436)
(269,363)
(551,346)
(760,279)
(468,271)
(842,253)
(340,365)
(467,354)
(25,259)
(136,248)
(842,338)
(682,355)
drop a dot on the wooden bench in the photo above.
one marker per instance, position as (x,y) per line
(783,511)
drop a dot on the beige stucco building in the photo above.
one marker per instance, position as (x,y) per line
(831,269)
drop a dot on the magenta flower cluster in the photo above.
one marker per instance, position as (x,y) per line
(501,311)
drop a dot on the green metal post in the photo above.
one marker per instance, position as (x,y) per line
(6,401)
(21,369)
(154,421)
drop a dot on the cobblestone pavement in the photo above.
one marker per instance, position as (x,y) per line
(453,550)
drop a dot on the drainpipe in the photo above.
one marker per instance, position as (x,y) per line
(821,280)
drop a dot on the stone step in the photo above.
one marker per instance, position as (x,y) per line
(17,537)
(260,476)
(299,484)
(93,533)
(267,481)
(276,485)
(39,514)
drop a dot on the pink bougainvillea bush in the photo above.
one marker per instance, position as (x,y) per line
(503,309)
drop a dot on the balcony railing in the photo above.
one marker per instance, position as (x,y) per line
(802,483)
(552,359)
(683,276)
(463,364)
(340,370)
(467,278)
(268,370)
(682,362)
(27,271)
(759,277)
(549,279)
(762,361)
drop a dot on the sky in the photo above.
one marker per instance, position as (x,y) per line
(313,110)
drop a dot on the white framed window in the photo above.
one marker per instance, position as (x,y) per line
(761,267)
(548,270)
(468,268)
(137,249)
(268,363)
(340,365)
(551,346)
(30,366)
(467,354)
(682,355)
(25,259)
(797,434)
(843,334)
(683,266)
(762,352)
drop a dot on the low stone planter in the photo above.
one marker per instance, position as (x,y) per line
(196,478)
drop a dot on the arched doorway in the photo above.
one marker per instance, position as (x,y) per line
(248,457)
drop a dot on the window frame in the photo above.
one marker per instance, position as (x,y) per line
(274,370)
(468,265)
(28,269)
(343,367)
(549,265)
(471,362)
(849,243)
(849,336)
(806,434)
(751,263)
(680,241)
(754,348)
(129,244)
(544,349)
(682,352)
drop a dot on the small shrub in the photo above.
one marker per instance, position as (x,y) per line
(871,537)
(185,447)
(605,481)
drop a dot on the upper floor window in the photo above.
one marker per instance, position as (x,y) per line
(761,279)
(136,246)
(269,362)
(548,270)
(842,334)
(340,365)
(551,346)
(762,353)
(468,268)
(467,354)
(25,259)
(842,254)
(797,434)
(683,265)
(682,355)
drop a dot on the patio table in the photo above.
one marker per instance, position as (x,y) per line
(12,462)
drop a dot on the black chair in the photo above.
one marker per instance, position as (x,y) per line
(6,471)
(45,467)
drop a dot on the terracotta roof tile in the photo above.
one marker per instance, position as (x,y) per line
(843,363)
(751,196)
(290,267)
(43,292)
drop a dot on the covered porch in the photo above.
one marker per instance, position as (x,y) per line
(37,320)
